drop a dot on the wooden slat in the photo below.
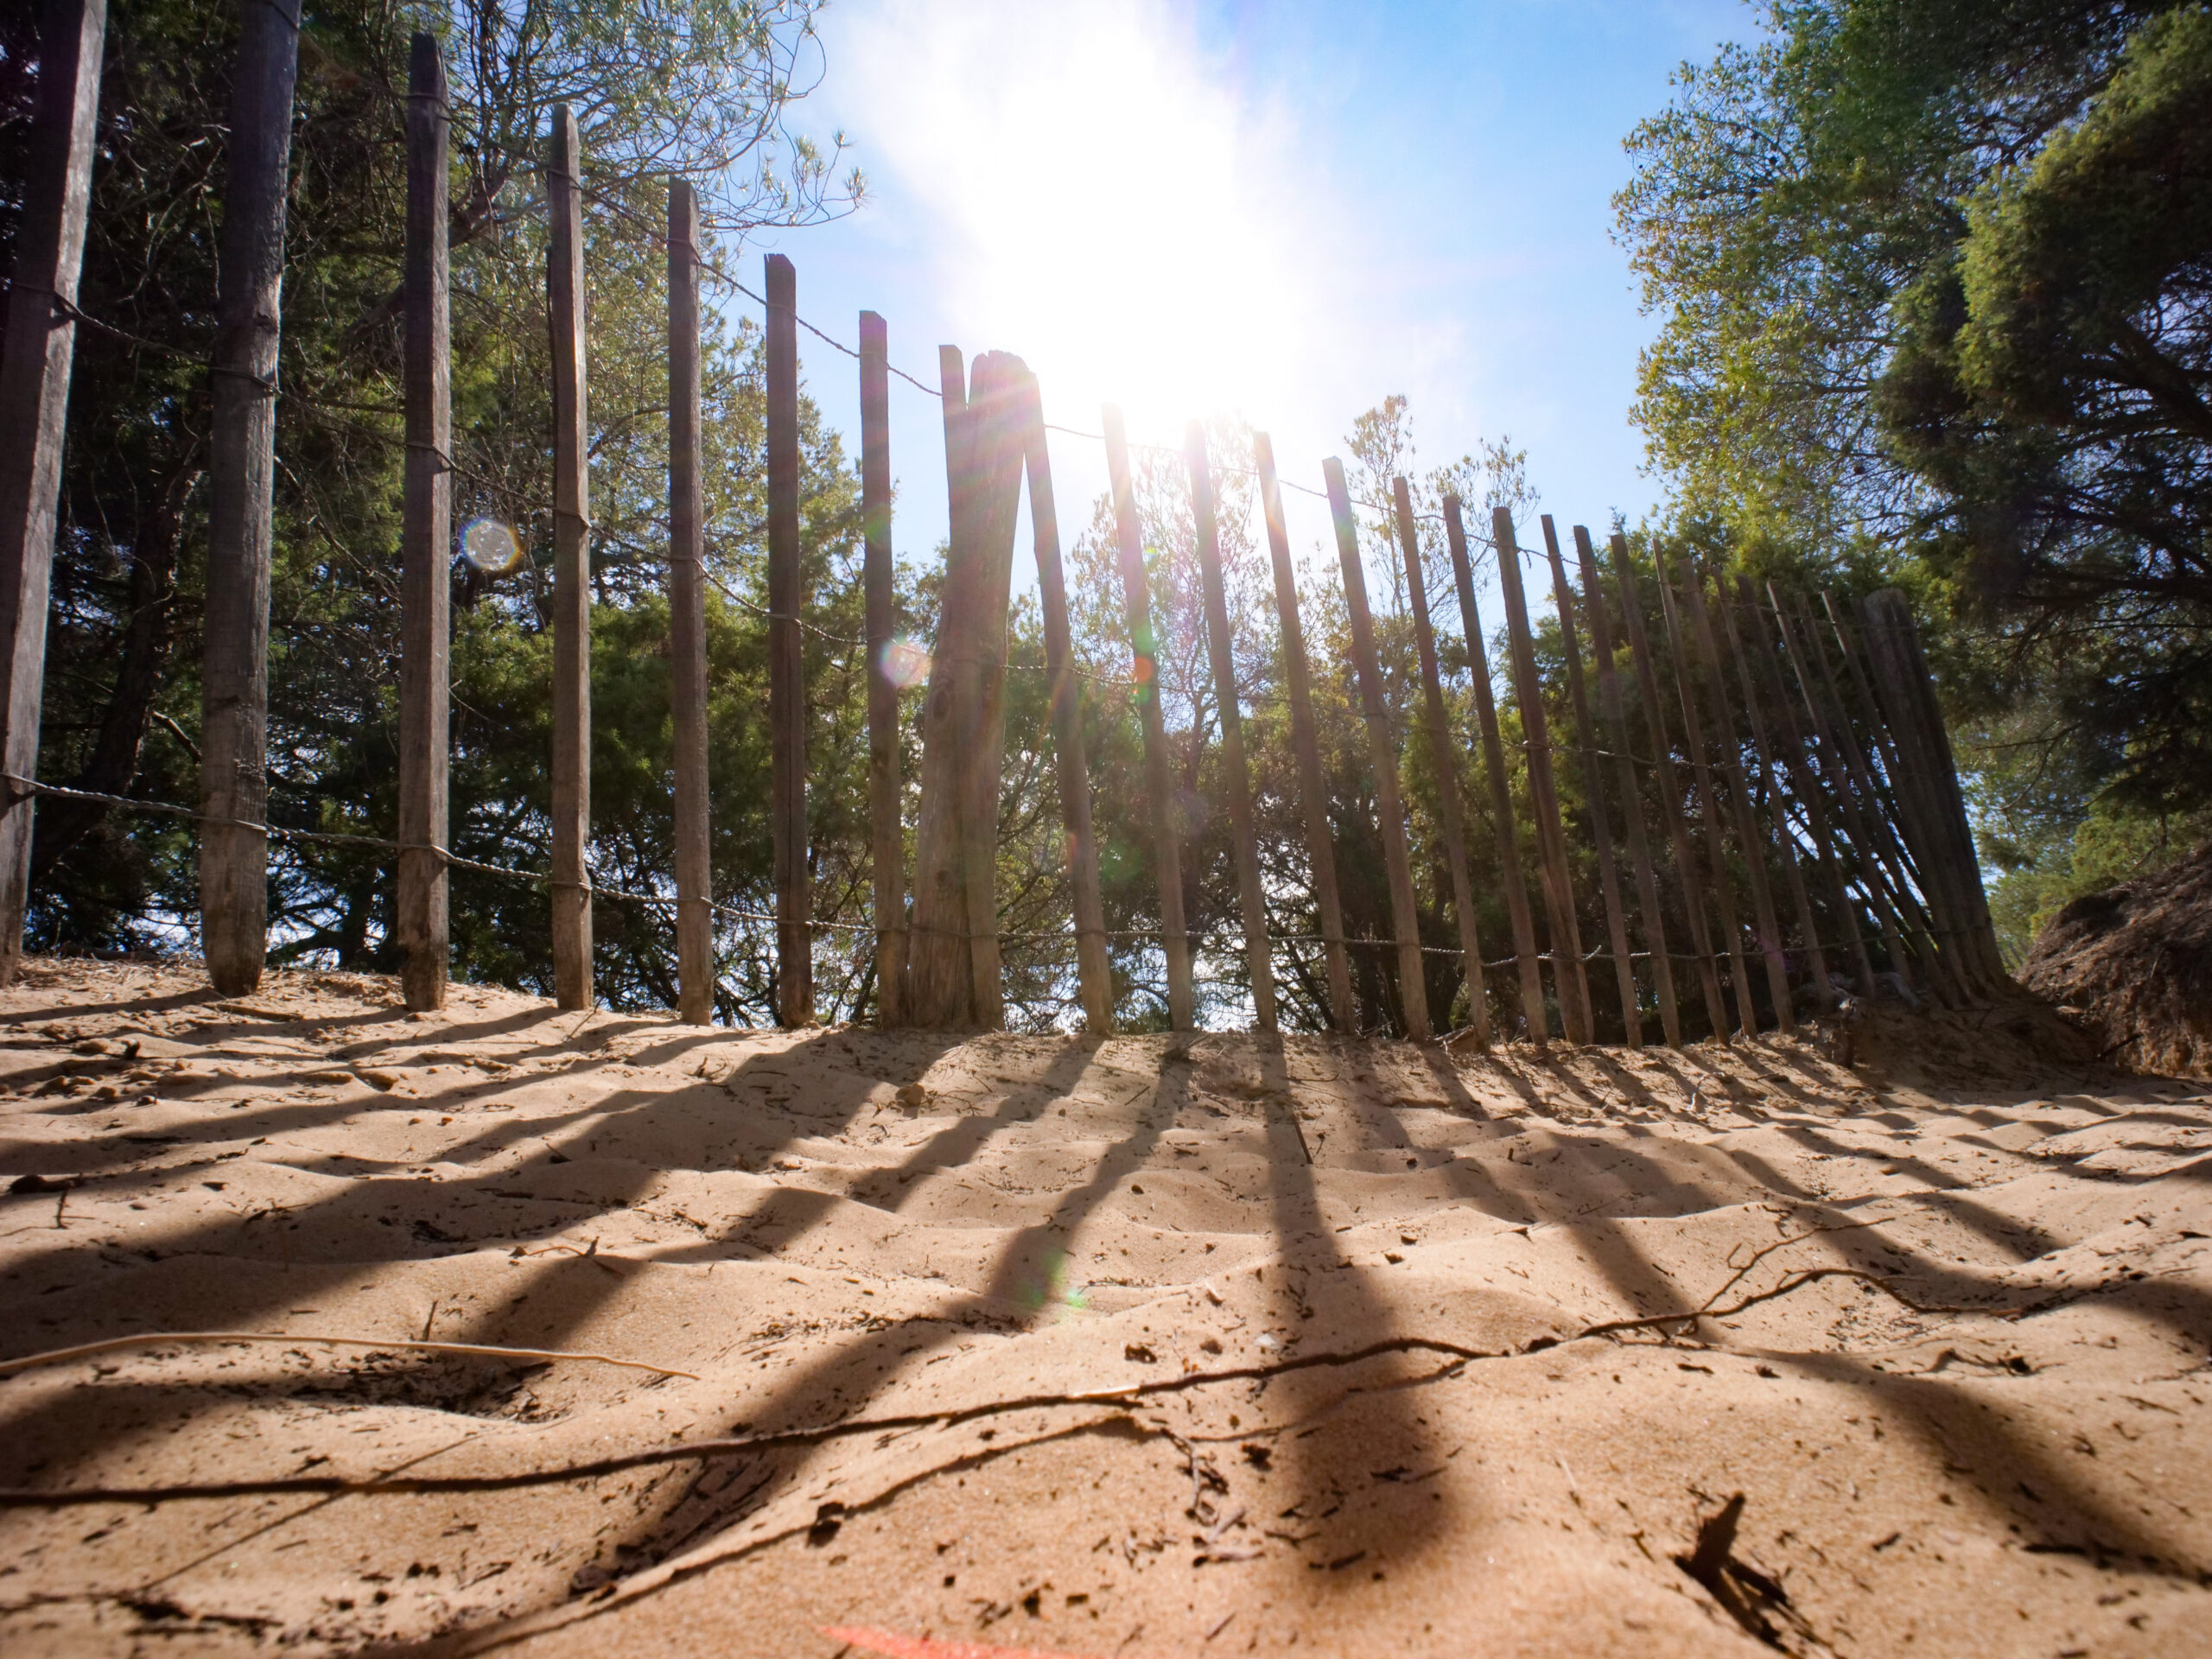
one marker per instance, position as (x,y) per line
(241,479)
(1748,840)
(1251,899)
(1806,790)
(1136,599)
(425,540)
(787,657)
(1528,964)
(1313,797)
(1383,755)
(1670,790)
(1777,795)
(40,340)
(886,834)
(687,618)
(1708,799)
(1094,964)
(1568,979)
(1639,847)
(1594,778)
(1444,753)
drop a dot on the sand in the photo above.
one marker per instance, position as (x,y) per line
(1118,1348)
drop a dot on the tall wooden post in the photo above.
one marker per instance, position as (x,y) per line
(1593,782)
(1708,808)
(564,294)
(886,834)
(1444,753)
(425,540)
(1639,847)
(787,658)
(1740,797)
(1785,838)
(1251,899)
(1506,831)
(1568,976)
(1383,755)
(1935,813)
(1808,785)
(41,338)
(1094,966)
(1670,790)
(241,481)
(1320,849)
(1144,647)
(687,618)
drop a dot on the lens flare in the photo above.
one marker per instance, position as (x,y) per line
(489,547)
(905,663)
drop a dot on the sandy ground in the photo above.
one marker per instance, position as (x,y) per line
(1123,1347)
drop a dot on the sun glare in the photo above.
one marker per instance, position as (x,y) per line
(1102,202)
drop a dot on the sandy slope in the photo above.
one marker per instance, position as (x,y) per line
(1068,1346)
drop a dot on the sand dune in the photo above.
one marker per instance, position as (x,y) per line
(1145,1346)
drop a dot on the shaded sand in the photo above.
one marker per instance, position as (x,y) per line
(1138,1347)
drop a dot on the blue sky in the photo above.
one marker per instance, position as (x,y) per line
(1283,212)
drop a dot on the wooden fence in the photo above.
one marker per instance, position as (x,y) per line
(1779,737)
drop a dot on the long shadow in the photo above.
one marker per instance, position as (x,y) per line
(331,1241)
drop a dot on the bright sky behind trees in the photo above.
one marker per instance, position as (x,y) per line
(1282,212)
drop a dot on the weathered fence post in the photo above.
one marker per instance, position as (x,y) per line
(1144,646)
(572,917)
(1505,830)
(886,835)
(425,541)
(241,481)
(1445,753)
(41,338)
(1571,983)
(1708,799)
(1609,701)
(1320,849)
(1383,755)
(1934,808)
(1251,900)
(787,658)
(1747,836)
(1670,791)
(1593,779)
(1094,965)
(687,618)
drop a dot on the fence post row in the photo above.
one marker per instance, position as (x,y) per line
(1593,775)
(1902,822)
(1383,755)
(425,540)
(1568,980)
(1320,849)
(1251,901)
(41,339)
(1445,754)
(687,618)
(241,479)
(1503,830)
(1144,649)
